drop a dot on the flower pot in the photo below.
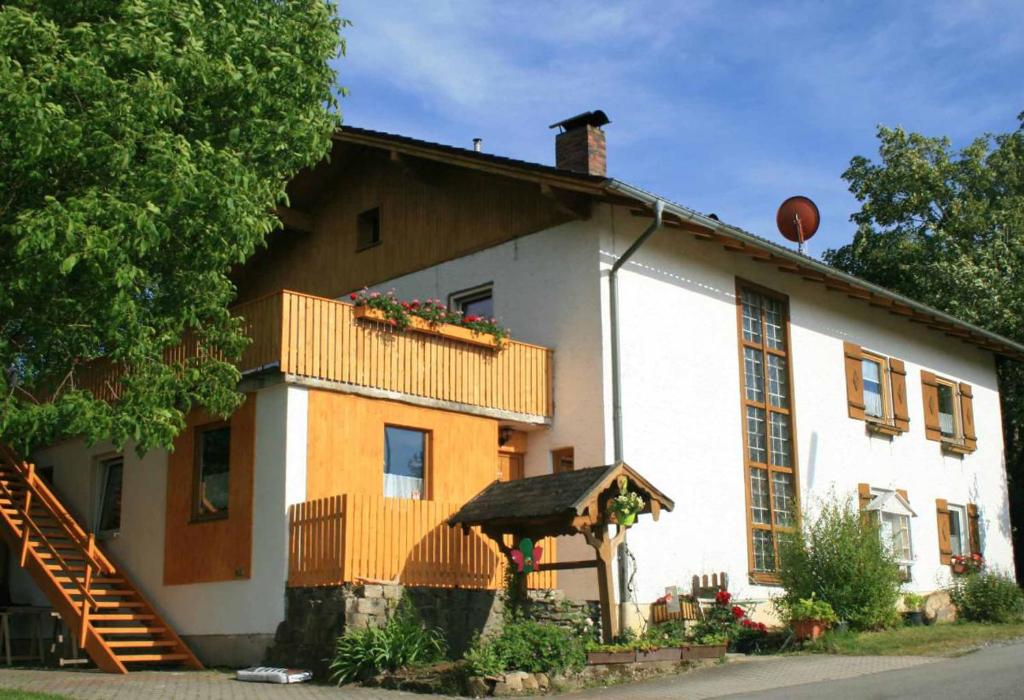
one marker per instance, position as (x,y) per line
(808,629)
(669,654)
(913,618)
(697,652)
(420,325)
(610,657)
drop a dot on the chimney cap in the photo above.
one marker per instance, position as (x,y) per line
(594,118)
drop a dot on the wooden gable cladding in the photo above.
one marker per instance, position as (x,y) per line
(430,212)
(945,540)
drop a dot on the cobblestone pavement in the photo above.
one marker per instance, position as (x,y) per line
(742,676)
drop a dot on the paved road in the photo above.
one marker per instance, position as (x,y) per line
(996,672)
(993,672)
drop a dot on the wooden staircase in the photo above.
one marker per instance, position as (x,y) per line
(112,621)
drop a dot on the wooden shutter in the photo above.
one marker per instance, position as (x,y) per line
(864,495)
(942,519)
(930,397)
(854,380)
(972,528)
(898,383)
(967,416)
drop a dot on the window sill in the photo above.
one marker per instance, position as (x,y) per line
(368,246)
(765,579)
(198,519)
(955,448)
(880,428)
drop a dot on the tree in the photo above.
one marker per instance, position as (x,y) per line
(946,227)
(145,145)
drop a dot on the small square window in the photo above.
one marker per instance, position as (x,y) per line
(368,229)
(478,301)
(405,460)
(213,470)
(562,460)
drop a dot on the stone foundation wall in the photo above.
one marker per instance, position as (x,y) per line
(316,617)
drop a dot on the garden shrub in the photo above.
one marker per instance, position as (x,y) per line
(838,557)
(401,643)
(530,646)
(987,597)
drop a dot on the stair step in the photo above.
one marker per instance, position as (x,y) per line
(111,631)
(120,616)
(129,658)
(114,604)
(133,643)
(99,580)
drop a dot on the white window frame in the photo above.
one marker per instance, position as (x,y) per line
(890,502)
(957,435)
(885,384)
(965,537)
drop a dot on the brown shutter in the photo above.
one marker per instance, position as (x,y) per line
(930,397)
(898,382)
(863,495)
(972,528)
(967,415)
(854,380)
(942,519)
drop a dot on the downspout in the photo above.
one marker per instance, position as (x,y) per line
(613,304)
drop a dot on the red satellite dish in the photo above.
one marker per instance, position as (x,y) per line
(798,219)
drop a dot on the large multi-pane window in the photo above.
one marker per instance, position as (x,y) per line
(769,455)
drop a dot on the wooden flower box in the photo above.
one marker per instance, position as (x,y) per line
(595,658)
(419,325)
(697,652)
(668,654)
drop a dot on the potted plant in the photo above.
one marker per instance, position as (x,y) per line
(811,617)
(626,506)
(967,565)
(912,613)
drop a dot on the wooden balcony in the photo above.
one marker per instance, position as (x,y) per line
(350,538)
(321,339)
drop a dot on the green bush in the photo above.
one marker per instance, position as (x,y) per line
(838,557)
(401,643)
(987,597)
(525,645)
(811,609)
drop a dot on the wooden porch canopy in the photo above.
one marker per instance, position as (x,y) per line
(569,503)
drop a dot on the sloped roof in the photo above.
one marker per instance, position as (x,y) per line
(551,495)
(700,225)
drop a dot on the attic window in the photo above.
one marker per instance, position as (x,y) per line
(368,229)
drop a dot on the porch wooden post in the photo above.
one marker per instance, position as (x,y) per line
(604,547)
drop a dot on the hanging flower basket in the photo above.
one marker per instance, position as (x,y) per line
(624,508)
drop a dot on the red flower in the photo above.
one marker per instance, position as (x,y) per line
(723,597)
(761,627)
(737,612)
(353,296)
(471,319)
(746,623)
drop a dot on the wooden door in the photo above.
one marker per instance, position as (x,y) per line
(511,465)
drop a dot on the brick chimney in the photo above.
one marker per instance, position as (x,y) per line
(579,145)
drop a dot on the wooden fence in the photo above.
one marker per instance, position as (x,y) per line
(320,338)
(347,538)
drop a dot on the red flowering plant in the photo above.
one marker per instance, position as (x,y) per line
(434,311)
(727,619)
(967,565)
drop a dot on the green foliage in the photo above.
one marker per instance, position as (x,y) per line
(987,597)
(946,227)
(811,609)
(912,601)
(838,557)
(529,646)
(145,145)
(402,643)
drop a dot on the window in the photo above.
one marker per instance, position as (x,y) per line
(767,404)
(478,301)
(405,457)
(562,460)
(958,539)
(876,390)
(949,413)
(947,410)
(213,471)
(112,473)
(368,229)
(892,512)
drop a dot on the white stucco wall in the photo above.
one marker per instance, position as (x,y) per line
(682,422)
(253,606)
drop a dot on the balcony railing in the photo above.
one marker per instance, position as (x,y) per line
(350,537)
(318,338)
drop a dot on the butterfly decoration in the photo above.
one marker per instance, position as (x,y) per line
(527,557)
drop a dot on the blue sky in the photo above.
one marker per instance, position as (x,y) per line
(726,107)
